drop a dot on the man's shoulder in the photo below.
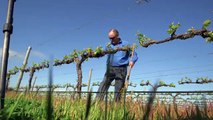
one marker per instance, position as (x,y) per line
(125,42)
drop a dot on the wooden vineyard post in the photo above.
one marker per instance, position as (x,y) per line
(90,76)
(127,79)
(23,67)
(129,70)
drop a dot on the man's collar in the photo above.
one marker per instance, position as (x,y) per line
(120,41)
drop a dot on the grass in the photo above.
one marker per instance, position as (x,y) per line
(34,107)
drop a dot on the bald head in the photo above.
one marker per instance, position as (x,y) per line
(113,33)
(114,36)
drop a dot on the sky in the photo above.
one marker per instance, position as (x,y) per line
(56,28)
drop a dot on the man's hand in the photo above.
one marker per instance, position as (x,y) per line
(131,64)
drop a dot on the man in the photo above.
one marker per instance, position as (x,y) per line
(116,66)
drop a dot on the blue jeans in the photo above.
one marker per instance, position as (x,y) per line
(113,73)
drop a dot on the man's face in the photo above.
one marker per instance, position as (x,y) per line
(112,36)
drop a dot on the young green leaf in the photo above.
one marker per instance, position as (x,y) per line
(206,23)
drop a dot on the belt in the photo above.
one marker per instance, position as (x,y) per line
(120,66)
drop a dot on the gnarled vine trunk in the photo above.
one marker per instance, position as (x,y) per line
(79,73)
(32,71)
